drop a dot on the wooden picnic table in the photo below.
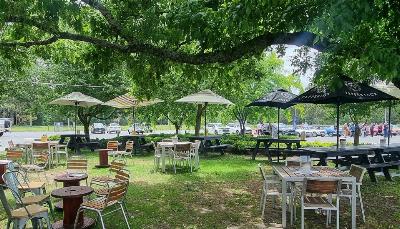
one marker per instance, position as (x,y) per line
(77,141)
(209,142)
(289,174)
(268,142)
(372,157)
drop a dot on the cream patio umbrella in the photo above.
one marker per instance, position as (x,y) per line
(76,99)
(205,97)
(127,101)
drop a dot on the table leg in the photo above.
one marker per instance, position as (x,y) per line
(163,159)
(284,189)
(353,203)
(103,159)
(255,151)
(71,206)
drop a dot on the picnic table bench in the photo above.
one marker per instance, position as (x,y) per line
(375,158)
(78,141)
(275,151)
(210,143)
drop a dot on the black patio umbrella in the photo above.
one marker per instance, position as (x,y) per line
(349,91)
(279,98)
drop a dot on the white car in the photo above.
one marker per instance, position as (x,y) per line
(114,128)
(135,127)
(318,132)
(234,128)
(217,128)
(308,132)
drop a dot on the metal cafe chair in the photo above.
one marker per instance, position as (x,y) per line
(14,181)
(20,215)
(358,172)
(115,197)
(182,153)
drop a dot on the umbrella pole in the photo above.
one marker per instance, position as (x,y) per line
(205,119)
(133,120)
(390,114)
(337,126)
(76,115)
(279,113)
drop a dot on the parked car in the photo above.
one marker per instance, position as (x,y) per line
(5,124)
(308,132)
(395,129)
(331,131)
(140,128)
(318,131)
(114,128)
(234,128)
(98,128)
(217,128)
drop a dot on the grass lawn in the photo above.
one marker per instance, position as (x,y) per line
(224,193)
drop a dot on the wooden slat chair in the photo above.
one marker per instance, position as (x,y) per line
(16,156)
(115,167)
(40,148)
(60,149)
(157,155)
(19,216)
(115,197)
(14,182)
(358,172)
(102,189)
(182,154)
(77,165)
(271,184)
(314,194)
(113,146)
(39,166)
(129,147)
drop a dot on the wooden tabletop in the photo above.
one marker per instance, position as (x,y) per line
(72,192)
(70,177)
(290,173)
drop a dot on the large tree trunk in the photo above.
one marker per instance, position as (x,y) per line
(85,120)
(241,116)
(177,128)
(357,133)
(198,119)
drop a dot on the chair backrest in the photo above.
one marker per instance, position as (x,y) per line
(40,146)
(118,192)
(123,175)
(14,155)
(321,186)
(11,180)
(117,165)
(262,172)
(11,144)
(196,145)
(129,146)
(294,162)
(182,149)
(42,159)
(113,145)
(357,172)
(77,164)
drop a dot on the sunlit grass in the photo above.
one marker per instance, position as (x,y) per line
(223,193)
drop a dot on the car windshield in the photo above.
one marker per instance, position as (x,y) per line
(98,125)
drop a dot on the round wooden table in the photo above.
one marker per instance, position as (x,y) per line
(72,199)
(68,180)
(103,158)
(3,168)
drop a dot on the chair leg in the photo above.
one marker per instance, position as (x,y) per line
(77,217)
(51,208)
(302,216)
(361,202)
(126,218)
(263,206)
(48,222)
(8,224)
(101,220)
